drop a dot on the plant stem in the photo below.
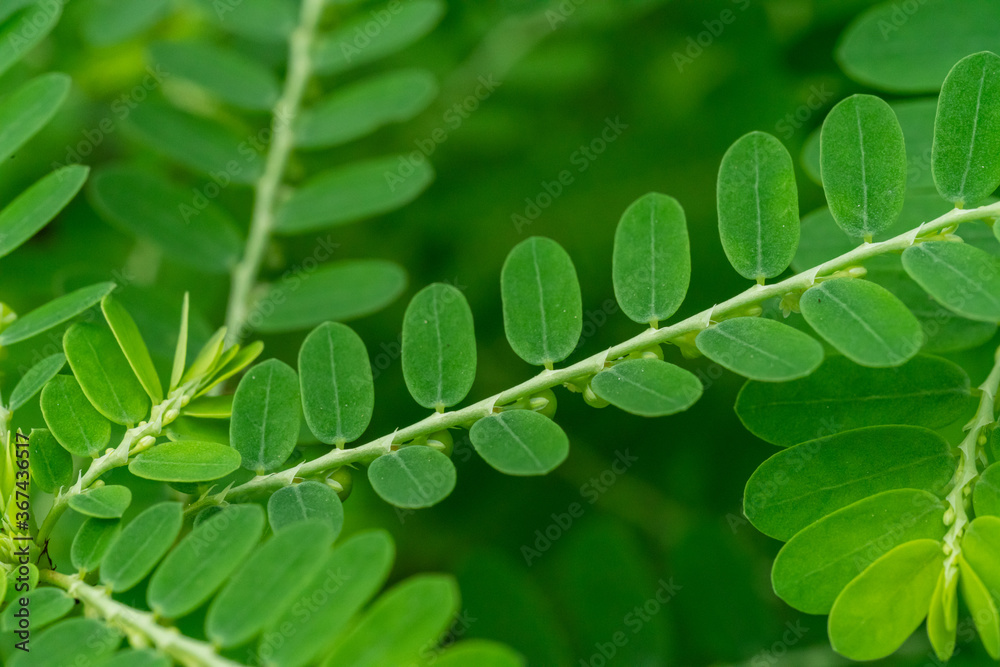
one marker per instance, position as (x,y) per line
(184,650)
(286,109)
(547,379)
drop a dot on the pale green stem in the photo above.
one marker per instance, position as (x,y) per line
(244,276)
(187,651)
(592,365)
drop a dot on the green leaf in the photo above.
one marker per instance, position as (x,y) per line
(883,606)
(222,72)
(651,263)
(926,391)
(864,165)
(71,418)
(982,607)
(303,502)
(240,359)
(38,205)
(34,379)
(758,206)
(270,580)
(261,20)
(817,563)
(150,207)
(802,484)
(980,546)
(112,21)
(412,477)
(942,618)
(130,341)
(761,349)
(357,569)
(266,416)
(542,306)
(520,442)
(141,545)
(204,559)
(185,461)
(438,347)
(863,321)
(210,407)
(54,313)
(480,652)
(76,641)
(46,605)
(985,494)
(104,373)
(23,30)
(146,657)
(92,541)
(104,502)
(353,192)
(967,131)
(647,387)
(335,376)
(339,291)
(412,615)
(963,278)
(180,352)
(51,465)
(207,356)
(351,46)
(361,108)
(29,108)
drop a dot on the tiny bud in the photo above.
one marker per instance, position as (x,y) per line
(441,441)
(146,442)
(544,403)
(341,482)
(593,400)
(172,414)
(949,516)
(857,272)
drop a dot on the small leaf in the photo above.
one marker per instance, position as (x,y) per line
(361,108)
(104,502)
(46,605)
(104,373)
(335,377)
(51,465)
(180,352)
(802,484)
(438,347)
(269,581)
(980,546)
(339,291)
(112,21)
(863,321)
(146,657)
(204,559)
(412,477)
(221,72)
(303,502)
(651,263)
(92,541)
(353,192)
(520,442)
(38,205)
(926,391)
(942,618)
(240,359)
(23,30)
(76,641)
(647,387)
(141,545)
(54,313)
(963,278)
(29,108)
(209,353)
(260,21)
(130,341)
(542,306)
(758,206)
(71,418)
(967,131)
(985,494)
(882,607)
(480,652)
(266,416)
(864,165)
(982,608)
(210,407)
(34,379)
(185,461)
(817,563)
(761,349)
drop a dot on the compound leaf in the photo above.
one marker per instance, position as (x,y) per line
(104,502)
(185,461)
(412,477)
(761,349)
(91,542)
(71,418)
(104,373)
(51,465)
(34,379)
(141,545)
(647,387)
(266,416)
(133,346)
(222,72)
(29,108)
(54,313)
(520,442)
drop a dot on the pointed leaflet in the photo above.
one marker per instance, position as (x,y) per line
(185,461)
(962,277)
(270,580)
(926,391)
(28,109)
(439,347)
(863,160)
(51,465)
(76,641)
(24,29)
(863,321)
(71,418)
(651,264)
(758,206)
(542,306)
(141,545)
(236,359)
(104,373)
(985,494)
(180,352)
(210,407)
(942,617)
(103,502)
(266,416)
(335,376)
(412,477)
(761,349)
(305,501)
(883,606)
(38,205)
(647,387)
(817,563)
(966,153)
(131,343)
(820,476)
(189,575)
(222,72)
(34,379)
(520,442)
(209,353)
(982,607)
(53,313)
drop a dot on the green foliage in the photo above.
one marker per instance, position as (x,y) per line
(38,205)
(91,542)
(520,442)
(130,341)
(412,477)
(647,387)
(29,108)
(104,373)
(54,313)
(266,416)
(185,461)
(963,278)
(140,546)
(308,501)
(34,379)
(73,421)
(47,605)
(73,640)
(51,465)
(104,502)
(761,349)
(986,493)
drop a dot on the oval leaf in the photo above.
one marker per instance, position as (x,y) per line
(51,465)
(130,341)
(45,605)
(76,641)
(185,461)
(985,495)
(104,502)
(91,542)
(305,501)
(141,545)
(23,30)
(71,418)
(104,373)
(520,442)
(761,349)
(38,205)
(412,477)
(54,313)
(224,73)
(647,387)
(29,108)
(982,607)
(34,379)
(963,278)
(266,416)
